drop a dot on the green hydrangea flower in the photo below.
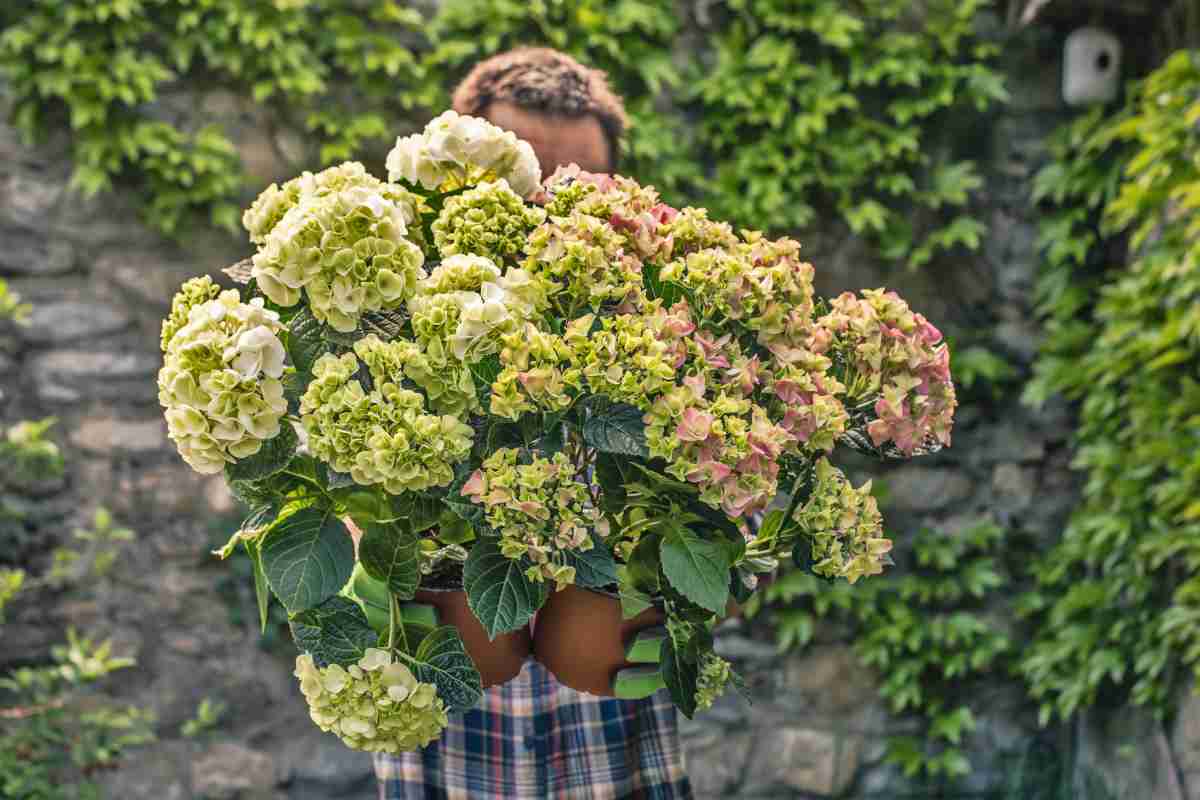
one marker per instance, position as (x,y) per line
(376,705)
(383,437)
(346,250)
(489,220)
(714,675)
(584,262)
(192,293)
(692,230)
(539,510)
(220,380)
(537,372)
(844,526)
(447,382)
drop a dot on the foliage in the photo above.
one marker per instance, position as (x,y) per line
(209,715)
(102,67)
(847,109)
(11,307)
(56,729)
(93,556)
(31,468)
(810,110)
(1117,605)
(924,627)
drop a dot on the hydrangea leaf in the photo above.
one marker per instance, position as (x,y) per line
(595,568)
(335,632)
(680,669)
(307,558)
(262,590)
(419,511)
(305,341)
(697,568)
(441,659)
(460,505)
(387,324)
(499,592)
(617,429)
(273,456)
(391,552)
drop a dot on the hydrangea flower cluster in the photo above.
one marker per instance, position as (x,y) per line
(346,250)
(376,704)
(539,510)
(844,526)
(714,675)
(220,380)
(897,358)
(275,201)
(384,436)
(489,220)
(585,263)
(455,151)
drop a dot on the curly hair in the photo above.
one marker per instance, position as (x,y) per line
(544,80)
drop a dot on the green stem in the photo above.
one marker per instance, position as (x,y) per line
(393,621)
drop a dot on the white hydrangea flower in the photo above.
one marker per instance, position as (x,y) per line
(457,150)
(220,381)
(376,705)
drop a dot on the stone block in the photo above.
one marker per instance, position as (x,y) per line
(107,435)
(228,770)
(57,323)
(69,376)
(915,488)
(802,760)
(28,252)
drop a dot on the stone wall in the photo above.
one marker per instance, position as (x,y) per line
(100,282)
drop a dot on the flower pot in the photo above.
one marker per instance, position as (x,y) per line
(581,637)
(498,660)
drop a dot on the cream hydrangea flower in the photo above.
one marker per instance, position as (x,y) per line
(376,705)
(346,249)
(456,150)
(275,201)
(220,380)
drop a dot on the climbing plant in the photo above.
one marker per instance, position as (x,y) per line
(1117,606)
(815,109)
(340,70)
(922,625)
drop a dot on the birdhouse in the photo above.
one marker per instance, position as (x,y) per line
(1091,67)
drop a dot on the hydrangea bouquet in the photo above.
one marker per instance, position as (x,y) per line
(533,385)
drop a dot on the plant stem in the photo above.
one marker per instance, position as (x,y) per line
(393,620)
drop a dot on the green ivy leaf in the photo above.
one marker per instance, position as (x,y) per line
(307,558)
(335,632)
(501,596)
(391,552)
(697,568)
(442,660)
(617,429)
(274,455)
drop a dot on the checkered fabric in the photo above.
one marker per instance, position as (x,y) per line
(535,738)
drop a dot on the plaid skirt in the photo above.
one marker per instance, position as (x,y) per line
(535,738)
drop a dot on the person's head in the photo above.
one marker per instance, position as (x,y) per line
(562,108)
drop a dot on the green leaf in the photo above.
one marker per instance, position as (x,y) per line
(274,455)
(595,568)
(633,600)
(460,505)
(262,592)
(419,511)
(442,660)
(391,552)
(501,596)
(305,342)
(335,632)
(680,670)
(386,324)
(307,558)
(697,568)
(617,429)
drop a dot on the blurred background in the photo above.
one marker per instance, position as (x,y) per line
(1024,172)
